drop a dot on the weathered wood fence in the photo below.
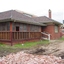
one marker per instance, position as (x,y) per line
(19,35)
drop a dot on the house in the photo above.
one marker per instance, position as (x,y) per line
(18,26)
(62,29)
(52,28)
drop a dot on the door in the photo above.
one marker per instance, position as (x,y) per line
(17,28)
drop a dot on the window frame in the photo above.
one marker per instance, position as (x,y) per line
(56,29)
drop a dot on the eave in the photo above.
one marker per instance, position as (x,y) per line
(26,22)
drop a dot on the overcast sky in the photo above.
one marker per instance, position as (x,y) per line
(36,7)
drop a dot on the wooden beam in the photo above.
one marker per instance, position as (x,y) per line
(10,26)
(11,32)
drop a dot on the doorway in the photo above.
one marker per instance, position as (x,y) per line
(17,28)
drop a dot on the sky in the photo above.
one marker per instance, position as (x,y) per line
(36,7)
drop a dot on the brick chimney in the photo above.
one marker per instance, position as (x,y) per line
(49,13)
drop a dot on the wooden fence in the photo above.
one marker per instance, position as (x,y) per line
(19,35)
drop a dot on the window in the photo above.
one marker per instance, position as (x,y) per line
(3,27)
(56,29)
(34,28)
(23,27)
(17,28)
(8,26)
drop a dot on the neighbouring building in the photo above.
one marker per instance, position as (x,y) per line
(62,29)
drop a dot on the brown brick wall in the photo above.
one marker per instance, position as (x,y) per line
(51,30)
(57,35)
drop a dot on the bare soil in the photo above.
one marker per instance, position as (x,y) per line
(55,48)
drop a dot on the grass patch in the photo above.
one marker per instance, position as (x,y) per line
(6,49)
(26,44)
(32,44)
(62,38)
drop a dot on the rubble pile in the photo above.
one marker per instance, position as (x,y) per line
(25,58)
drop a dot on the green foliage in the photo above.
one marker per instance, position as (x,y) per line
(26,44)
(7,49)
(32,44)
(62,38)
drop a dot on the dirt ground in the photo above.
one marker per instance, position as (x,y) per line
(55,48)
(41,54)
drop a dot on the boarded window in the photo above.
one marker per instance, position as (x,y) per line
(23,27)
(8,26)
(3,26)
(34,28)
(56,29)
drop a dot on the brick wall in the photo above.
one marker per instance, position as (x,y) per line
(51,30)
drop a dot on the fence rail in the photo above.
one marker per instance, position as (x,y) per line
(19,35)
(47,36)
(5,36)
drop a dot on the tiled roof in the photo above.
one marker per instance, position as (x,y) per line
(18,17)
(44,19)
(22,17)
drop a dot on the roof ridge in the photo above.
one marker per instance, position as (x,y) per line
(6,11)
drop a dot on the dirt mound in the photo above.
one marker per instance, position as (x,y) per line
(55,48)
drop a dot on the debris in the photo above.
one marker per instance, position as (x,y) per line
(25,58)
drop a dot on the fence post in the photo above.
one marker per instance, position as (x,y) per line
(11,38)
(29,35)
(49,37)
(11,32)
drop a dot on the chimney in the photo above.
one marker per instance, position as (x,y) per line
(49,13)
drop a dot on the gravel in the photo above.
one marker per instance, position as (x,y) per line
(26,58)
